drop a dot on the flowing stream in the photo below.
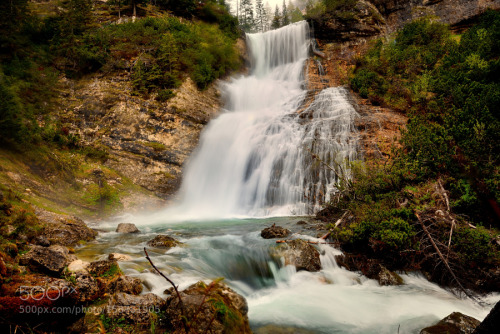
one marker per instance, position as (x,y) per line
(262,158)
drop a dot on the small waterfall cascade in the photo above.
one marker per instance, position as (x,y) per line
(272,152)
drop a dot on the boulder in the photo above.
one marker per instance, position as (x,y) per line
(119,257)
(62,229)
(50,260)
(134,309)
(78,266)
(491,323)
(87,287)
(300,254)
(127,228)
(106,268)
(455,323)
(126,284)
(215,304)
(274,232)
(387,277)
(371,268)
(163,241)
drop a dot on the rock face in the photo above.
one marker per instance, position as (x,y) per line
(163,241)
(62,229)
(147,140)
(274,232)
(491,323)
(398,12)
(355,23)
(204,303)
(300,254)
(127,228)
(134,309)
(50,260)
(455,323)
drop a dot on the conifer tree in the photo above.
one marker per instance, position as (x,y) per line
(285,19)
(276,19)
(260,13)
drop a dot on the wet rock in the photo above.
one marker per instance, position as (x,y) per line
(78,266)
(134,309)
(455,323)
(274,232)
(87,287)
(491,323)
(300,254)
(126,284)
(204,303)
(119,257)
(50,260)
(107,268)
(127,228)
(387,277)
(301,222)
(371,268)
(163,241)
(62,229)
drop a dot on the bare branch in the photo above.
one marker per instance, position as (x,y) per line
(181,304)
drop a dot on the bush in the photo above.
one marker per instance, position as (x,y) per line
(475,245)
(451,94)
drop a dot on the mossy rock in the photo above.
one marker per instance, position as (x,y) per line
(163,241)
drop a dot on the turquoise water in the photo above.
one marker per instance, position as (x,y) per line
(333,300)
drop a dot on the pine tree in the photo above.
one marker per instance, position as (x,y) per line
(246,15)
(260,13)
(285,20)
(277,19)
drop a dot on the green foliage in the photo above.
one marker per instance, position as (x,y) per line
(174,47)
(388,234)
(451,93)
(112,271)
(474,245)
(104,196)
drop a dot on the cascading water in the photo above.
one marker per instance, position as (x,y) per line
(275,152)
(261,157)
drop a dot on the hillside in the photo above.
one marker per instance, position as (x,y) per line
(101,108)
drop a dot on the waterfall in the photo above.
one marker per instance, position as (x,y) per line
(270,152)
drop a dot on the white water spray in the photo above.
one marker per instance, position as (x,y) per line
(262,157)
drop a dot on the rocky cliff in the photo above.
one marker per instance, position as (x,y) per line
(453,12)
(360,20)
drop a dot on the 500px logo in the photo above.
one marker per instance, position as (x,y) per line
(40,292)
